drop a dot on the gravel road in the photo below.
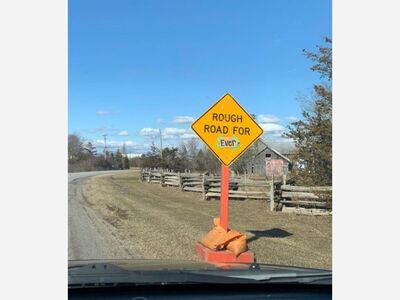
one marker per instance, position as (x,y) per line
(88,237)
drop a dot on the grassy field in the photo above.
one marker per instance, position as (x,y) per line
(162,222)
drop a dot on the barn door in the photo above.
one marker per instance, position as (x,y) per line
(274,167)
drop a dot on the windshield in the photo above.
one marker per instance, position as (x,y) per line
(200,139)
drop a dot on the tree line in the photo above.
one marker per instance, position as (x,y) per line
(191,155)
(83,156)
(187,156)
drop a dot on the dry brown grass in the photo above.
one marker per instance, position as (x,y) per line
(162,222)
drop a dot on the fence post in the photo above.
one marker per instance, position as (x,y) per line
(284,179)
(180,181)
(203,188)
(162,178)
(271,195)
(149,178)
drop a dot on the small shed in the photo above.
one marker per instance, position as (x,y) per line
(268,161)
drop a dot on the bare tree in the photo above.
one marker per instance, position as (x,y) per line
(192,146)
(75,147)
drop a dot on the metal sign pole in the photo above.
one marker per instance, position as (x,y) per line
(224,196)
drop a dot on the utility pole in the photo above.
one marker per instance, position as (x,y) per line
(105,145)
(159,129)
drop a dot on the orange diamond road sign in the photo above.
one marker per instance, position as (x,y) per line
(227,129)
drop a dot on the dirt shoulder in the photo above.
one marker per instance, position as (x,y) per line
(164,223)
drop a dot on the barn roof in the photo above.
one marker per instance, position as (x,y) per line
(273,150)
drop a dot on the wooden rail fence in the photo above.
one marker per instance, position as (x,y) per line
(281,197)
(306,200)
(210,185)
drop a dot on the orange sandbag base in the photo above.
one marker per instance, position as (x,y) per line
(222,256)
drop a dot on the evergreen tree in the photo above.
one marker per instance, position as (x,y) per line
(91,149)
(118,161)
(313,134)
(126,162)
(153,149)
(152,158)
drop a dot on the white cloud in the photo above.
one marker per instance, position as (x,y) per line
(168,136)
(169,133)
(123,133)
(179,133)
(272,127)
(188,136)
(267,119)
(102,113)
(149,132)
(183,120)
(174,131)
(130,143)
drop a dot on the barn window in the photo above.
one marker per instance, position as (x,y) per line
(268,155)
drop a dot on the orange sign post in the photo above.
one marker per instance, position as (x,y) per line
(224,196)
(228,130)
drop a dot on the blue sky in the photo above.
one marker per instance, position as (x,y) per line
(136,66)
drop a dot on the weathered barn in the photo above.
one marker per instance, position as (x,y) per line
(268,161)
